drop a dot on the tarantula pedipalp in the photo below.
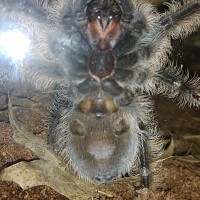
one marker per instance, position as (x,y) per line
(105,57)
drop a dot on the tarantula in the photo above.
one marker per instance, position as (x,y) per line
(105,58)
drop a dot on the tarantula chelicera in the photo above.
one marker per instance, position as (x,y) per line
(105,57)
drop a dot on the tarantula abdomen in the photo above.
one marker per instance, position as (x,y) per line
(98,138)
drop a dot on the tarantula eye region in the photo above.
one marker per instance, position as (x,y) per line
(102,10)
(100,24)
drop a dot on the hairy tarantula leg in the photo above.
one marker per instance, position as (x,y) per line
(181,19)
(144,161)
(176,85)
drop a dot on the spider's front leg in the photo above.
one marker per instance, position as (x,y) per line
(182,18)
(176,85)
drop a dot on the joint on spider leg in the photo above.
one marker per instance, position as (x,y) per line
(145,175)
(177,84)
(187,90)
(171,80)
(196,96)
(166,23)
(144,165)
(191,92)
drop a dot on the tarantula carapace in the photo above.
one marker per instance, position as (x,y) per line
(104,57)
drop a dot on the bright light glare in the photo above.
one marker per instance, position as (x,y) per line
(14,43)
